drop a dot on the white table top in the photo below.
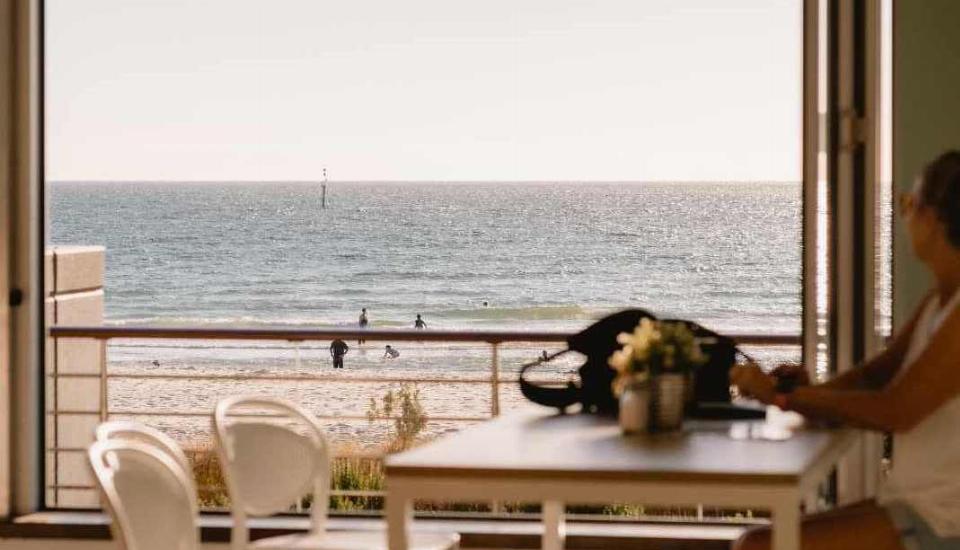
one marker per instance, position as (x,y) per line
(538,444)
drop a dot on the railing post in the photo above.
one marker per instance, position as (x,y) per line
(496,507)
(104,405)
(296,349)
(494,379)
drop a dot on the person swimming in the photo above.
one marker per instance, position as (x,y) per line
(419,323)
(390,352)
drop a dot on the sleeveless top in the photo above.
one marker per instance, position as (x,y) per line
(926,459)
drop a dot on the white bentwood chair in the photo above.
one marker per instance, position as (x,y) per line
(128,430)
(269,465)
(148,495)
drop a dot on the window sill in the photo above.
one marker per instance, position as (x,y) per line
(473,532)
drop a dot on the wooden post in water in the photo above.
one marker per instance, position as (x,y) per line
(323,187)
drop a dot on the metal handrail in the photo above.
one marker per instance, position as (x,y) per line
(304,334)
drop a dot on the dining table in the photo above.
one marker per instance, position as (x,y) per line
(537,455)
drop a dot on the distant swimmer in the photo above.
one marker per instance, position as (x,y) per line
(485,304)
(363,323)
(419,323)
(390,352)
(156,363)
(338,348)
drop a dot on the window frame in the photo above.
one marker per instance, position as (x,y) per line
(23,464)
(24,460)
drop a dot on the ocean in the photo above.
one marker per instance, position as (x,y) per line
(541,256)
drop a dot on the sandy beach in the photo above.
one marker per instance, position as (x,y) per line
(453,381)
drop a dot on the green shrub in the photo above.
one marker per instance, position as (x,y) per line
(410,419)
(211,488)
(356,474)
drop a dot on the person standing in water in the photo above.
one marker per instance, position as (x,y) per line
(419,323)
(390,352)
(338,348)
(364,321)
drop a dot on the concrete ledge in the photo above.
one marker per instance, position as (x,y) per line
(78,356)
(74,471)
(74,268)
(79,308)
(78,498)
(76,430)
(74,286)
(78,394)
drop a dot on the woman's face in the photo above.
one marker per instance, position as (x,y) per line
(926,231)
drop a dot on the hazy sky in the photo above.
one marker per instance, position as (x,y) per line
(424,89)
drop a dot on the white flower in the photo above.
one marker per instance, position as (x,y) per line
(622,359)
(653,346)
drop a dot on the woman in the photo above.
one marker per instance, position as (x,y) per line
(912,389)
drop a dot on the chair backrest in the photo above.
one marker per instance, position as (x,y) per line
(129,430)
(147,494)
(272,455)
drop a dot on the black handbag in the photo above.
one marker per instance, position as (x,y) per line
(711,381)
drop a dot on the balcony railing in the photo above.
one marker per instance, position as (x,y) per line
(494,377)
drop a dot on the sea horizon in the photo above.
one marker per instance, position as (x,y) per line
(438,248)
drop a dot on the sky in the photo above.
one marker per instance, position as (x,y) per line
(571,90)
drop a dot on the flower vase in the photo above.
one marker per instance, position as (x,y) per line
(668,399)
(635,408)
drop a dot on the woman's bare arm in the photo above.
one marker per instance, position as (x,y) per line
(932,380)
(880,369)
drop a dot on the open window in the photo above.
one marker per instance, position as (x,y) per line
(600,220)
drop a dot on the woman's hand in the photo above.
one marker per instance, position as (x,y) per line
(790,376)
(753,382)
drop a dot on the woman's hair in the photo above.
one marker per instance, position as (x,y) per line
(941,192)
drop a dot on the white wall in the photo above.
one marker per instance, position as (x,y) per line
(926,118)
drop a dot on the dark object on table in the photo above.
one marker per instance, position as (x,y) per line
(711,381)
(597,342)
(711,390)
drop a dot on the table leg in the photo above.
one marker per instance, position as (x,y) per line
(786,526)
(399,516)
(554,528)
